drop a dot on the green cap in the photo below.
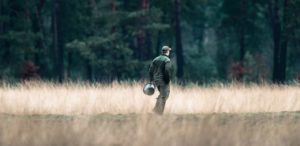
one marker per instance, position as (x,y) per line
(166,48)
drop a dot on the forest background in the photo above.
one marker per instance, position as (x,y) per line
(106,40)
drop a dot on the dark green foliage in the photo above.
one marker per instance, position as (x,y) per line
(105,40)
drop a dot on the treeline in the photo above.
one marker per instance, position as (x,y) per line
(105,40)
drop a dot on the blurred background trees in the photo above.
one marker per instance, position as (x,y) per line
(105,40)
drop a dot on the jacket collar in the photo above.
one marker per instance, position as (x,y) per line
(165,55)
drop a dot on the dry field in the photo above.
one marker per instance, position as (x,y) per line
(42,114)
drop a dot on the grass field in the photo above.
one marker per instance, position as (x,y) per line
(42,114)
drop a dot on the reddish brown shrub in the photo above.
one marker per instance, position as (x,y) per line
(237,71)
(29,71)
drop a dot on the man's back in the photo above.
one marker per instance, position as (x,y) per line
(160,70)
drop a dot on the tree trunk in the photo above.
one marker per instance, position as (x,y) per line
(283,57)
(1,14)
(179,49)
(113,9)
(280,39)
(142,34)
(158,43)
(1,33)
(113,6)
(89,69)
(148,41)
(125,4)
(55,39)
(274,8)
(284,44)
(94,15)
(1,22)
(242,46)
(123,27)
(57,43)
(37,24)
(94,9)
(70,63)
(242,32)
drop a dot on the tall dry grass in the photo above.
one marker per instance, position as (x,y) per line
(151,130)
(46,114)
(123,98)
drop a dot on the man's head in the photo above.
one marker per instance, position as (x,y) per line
(166,50)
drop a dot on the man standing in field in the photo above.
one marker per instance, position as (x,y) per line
(160,72)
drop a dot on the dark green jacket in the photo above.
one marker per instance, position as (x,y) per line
(160,70)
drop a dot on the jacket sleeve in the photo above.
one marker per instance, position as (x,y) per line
(151,69)
(167,74)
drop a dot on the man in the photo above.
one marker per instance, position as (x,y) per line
(160,72)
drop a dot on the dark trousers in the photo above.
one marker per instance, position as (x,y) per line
(164,91)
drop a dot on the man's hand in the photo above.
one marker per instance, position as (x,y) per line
(151,82)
